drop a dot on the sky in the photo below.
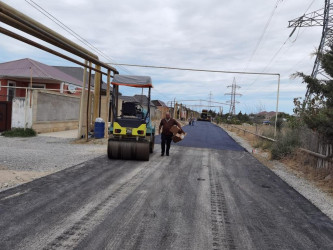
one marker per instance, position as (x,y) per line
(236,35)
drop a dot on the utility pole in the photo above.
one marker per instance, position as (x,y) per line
(180,111)
(233,95)
(324,18)
(83,100)
(221,110)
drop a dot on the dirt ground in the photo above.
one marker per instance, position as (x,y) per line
(10,178)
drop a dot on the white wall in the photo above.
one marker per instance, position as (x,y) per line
(20,115)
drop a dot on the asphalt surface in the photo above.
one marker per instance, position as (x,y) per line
(206,135)
(197,198)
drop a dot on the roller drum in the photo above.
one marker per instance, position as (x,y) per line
(128,150)
(142,151)
(114,149)
(151,144)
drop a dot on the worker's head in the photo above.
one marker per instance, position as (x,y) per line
(167,115)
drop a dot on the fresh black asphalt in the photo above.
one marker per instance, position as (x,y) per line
(196,198)
(206,135)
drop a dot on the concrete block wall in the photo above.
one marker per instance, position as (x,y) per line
(52,112)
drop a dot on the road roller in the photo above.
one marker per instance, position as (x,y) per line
(204,116)
(131,134)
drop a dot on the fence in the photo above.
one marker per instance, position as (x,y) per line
(247,131)
(314,145)
(317,146)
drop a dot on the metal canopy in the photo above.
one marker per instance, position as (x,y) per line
(18,20)
(132,81)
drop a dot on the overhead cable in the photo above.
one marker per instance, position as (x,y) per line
(70,31)
(196,70)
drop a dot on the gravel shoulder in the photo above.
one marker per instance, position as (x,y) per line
(316,196)
(25,159)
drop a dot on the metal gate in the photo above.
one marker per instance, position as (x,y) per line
(5,116)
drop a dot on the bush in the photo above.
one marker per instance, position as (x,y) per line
(295,122)
(263,144)
(268,132)
(20,132)
(286,143)
(218,119)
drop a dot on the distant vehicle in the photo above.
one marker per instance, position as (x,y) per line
(204,116)
(266,122)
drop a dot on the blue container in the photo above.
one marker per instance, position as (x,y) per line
(99,130)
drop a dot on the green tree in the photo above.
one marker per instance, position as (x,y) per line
(317,111)
(212,113)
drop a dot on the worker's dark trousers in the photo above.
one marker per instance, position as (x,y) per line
(166,139)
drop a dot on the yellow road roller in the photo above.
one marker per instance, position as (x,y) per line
(131,134)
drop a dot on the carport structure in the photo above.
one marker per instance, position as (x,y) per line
(20,21)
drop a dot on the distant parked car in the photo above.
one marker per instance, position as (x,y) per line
(266,122)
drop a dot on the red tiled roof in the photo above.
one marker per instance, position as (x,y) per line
(26,68)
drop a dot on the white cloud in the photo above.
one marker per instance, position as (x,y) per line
(211,34)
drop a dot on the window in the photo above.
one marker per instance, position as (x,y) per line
(38,86)
(11,91)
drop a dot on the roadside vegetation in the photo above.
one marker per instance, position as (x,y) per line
(311,127)
(19,132)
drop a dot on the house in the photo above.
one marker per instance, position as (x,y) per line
(54,103)
(267,115)
(127,98)
(161,106)
(77,73)
(16,76)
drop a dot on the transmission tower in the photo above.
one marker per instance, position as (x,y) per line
(210,98)
(324,18)
(233,95)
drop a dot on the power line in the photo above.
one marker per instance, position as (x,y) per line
(201,100)
(71,31)
(279,50)
(195,70)
(262,34)
(160,93)
(270,61)
(277,53)
(309,6)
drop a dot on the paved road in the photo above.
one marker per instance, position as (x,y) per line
(206,135)
(197,198)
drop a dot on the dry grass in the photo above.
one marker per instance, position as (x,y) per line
(300,163)
(304,165)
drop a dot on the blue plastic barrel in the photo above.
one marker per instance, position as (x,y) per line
(99,130)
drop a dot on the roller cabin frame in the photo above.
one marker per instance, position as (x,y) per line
(131,136)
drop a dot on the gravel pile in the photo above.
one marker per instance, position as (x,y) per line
(45,154)
(316,196)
